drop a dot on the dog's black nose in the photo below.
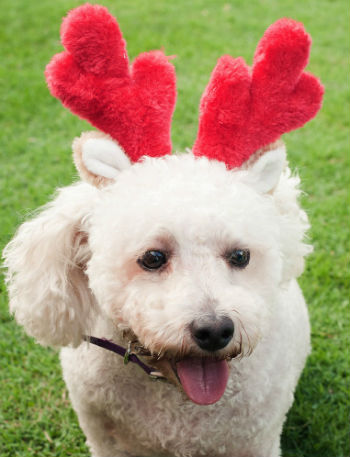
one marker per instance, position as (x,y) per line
(212,333)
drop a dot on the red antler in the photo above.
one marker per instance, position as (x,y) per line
(92,78)
(243,110)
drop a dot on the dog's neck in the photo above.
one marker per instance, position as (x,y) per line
(129,354)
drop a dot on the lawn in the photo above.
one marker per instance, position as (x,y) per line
(36,132)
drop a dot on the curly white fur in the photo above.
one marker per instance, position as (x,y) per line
(73,270)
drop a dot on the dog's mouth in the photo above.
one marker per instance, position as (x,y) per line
(203,379)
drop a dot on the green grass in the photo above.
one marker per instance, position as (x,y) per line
(36,133)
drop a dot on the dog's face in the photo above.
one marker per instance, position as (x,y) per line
(179,240)
(186,256)
(178,252)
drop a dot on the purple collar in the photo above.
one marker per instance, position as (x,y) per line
(128,355)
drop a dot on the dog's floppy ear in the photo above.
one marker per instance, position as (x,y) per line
(98,158)
(46,279)
(263,170)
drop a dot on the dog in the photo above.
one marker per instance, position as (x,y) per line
(187,264)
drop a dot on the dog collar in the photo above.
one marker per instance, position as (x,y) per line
(127,354)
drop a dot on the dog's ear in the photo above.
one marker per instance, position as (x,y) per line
(98,158)
(47,284)
(263,171)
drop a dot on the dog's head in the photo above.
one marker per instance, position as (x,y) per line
(190,258)
(186,254)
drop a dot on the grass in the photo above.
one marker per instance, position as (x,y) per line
(36,133)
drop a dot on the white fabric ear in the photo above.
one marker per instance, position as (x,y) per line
(265,172)
(104,158)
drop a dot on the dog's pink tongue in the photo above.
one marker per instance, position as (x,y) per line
(204,380)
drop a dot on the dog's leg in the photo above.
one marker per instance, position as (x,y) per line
(100,433)
(273,450)
(269,451)
(276,449)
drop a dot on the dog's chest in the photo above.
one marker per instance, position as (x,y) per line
(155,417)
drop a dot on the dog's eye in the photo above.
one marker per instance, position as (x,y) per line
(152,260)
(238,258)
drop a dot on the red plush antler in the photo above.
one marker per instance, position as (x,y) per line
(243,110)
(93,79)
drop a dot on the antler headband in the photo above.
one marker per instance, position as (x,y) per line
(241,111)
(93,79)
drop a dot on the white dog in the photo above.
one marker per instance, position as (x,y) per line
(174,244)
(194,265)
